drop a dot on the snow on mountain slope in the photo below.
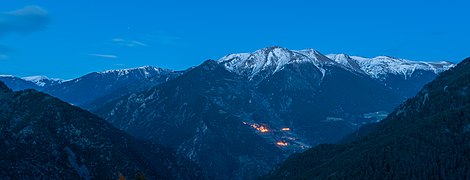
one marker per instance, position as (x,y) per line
(43,80)
(146,71)
(271,60)
(378,67)
(4,75)
(86,89)
(268,61)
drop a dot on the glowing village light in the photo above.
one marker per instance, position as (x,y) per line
(282,143)
(259,128)
(285,129)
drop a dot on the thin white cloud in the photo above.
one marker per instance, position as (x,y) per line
(109,56)
(138,43)
(118,40)
(128,43)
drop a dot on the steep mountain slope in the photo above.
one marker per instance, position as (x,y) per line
(265,62)
(88,88)
(199,114)
(426,137)
(43,137)
(43,81)
(97,88)
(323,99)
(403,76)
(274,101)
(18,84)
(134,87)
(382,66)
(32,82)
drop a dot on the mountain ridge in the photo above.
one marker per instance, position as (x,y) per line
(43,137)
(276,57)
(425,137)
(315,102)
(310,55)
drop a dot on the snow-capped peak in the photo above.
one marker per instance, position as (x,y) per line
(147,71)
(378,67)
(344,58)
(42,80)
(6,75)
(270,60)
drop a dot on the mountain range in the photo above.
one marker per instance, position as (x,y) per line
(85,90)
(274,101)
(424,138)
(241,115)
(44,138)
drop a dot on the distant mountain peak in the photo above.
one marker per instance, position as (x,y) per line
(270,48)
(6,75)
(338,57)
(42,80)
(380,66)
(209,64)
(146,70)
(270,60)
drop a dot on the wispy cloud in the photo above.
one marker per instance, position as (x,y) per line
(118,40)
(128,43)
(109,56)
(25,20)
(138,43)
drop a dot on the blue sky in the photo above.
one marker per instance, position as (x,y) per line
(67,39)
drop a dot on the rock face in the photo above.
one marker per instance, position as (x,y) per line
(239,116)
(43,137)
(426,137)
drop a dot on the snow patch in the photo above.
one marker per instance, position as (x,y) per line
(42,80)
(8,76)
(146,71)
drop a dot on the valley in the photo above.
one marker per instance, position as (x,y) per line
(238,117)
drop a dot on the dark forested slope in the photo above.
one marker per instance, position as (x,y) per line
(426,137)
(43,137)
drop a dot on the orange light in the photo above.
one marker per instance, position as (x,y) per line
(285,129)
(263,129)
(281,143)
(259,128)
